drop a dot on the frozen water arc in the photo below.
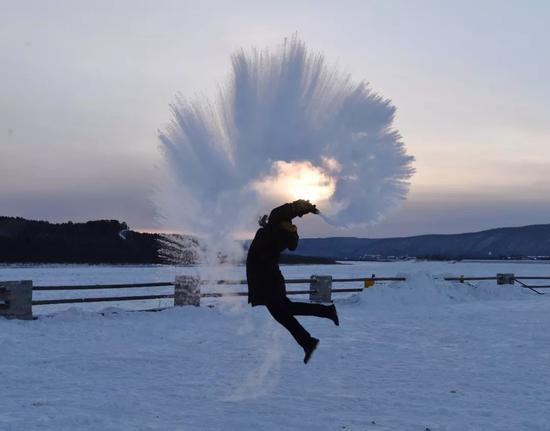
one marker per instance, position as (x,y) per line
(281,106)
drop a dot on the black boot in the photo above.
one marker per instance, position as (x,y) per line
(310,348)
(333,315)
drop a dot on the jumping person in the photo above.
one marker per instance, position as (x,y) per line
(266,284)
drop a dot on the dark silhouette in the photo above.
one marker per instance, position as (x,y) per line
(266,284)
(101,241)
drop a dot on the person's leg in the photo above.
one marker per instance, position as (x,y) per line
(318,310)
(281,313)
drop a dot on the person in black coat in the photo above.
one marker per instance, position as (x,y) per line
(266,284)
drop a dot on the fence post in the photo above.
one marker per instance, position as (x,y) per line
(16,299)
(506,278)
(187,291)
(320,287)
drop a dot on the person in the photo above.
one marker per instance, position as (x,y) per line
(266,284)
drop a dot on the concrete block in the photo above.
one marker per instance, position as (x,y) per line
(506,278)
(320,288)
(16,299)
(187,291)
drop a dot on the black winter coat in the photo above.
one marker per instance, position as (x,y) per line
(266,283)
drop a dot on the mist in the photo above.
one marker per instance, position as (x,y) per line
(285,125)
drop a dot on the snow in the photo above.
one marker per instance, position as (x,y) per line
(412,355)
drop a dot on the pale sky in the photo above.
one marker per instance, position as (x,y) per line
(84,87)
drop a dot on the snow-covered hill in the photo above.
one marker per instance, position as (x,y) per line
(532,240)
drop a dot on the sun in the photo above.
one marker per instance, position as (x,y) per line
(297,180)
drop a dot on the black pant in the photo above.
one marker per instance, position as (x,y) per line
(284,311)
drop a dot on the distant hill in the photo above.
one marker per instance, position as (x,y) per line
(533,240)
(110,241)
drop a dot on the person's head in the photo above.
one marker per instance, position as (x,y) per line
(263,220)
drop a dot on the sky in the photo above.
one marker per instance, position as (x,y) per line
(86,86)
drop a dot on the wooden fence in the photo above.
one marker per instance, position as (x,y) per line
(507,278)
(16,297)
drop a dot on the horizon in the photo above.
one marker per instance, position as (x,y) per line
(248,238)
(90,86)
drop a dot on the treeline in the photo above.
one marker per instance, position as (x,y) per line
(101,241)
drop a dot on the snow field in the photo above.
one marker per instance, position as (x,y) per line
(407,356)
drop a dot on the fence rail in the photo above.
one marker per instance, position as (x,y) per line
(100,299)
(187,291)
(516,277)
(308,280)
(102,286)
(16,297)
(508,278)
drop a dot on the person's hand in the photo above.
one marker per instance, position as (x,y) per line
(302,207)
(289,227)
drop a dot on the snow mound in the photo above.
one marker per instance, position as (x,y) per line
(425,289)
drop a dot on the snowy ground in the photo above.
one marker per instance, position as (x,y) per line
(407,356)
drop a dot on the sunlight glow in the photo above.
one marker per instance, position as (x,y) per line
(297,180)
